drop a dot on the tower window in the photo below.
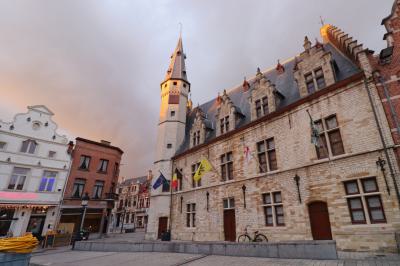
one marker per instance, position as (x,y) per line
(175,83)
(169,146)
(184,85)
(172,113)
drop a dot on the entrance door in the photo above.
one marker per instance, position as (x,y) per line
(162,226)
(229,225)
(319,220)
(6,217)
(35,225)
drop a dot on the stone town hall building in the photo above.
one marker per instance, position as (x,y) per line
(267,175)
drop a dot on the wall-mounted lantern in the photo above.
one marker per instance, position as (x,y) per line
(244,195)
(297,180)
(208,199)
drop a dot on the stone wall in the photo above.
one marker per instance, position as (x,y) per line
(320,180)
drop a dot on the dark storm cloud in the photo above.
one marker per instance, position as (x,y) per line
(98,64)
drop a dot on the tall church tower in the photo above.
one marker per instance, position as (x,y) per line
(171,132)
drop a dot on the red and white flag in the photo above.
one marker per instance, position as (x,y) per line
(247,154)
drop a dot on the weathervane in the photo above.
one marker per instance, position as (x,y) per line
(180,29)
(322,21)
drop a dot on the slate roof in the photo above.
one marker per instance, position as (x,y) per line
(177,68)
(134,180)
(285,84)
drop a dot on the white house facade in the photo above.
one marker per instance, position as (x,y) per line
(34,166)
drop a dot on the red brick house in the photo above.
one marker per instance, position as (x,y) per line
(94,172)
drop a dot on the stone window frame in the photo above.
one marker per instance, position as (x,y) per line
(52,154)
(228,203)
(224,124)
(196,138)
(3,145)
(265,154)
(314,79)
(362,194)
(274,204)
(18,175)
(191,215)
(261,106)
(326,132)
(48,181)
(194,167)
(29,146)
(226,166)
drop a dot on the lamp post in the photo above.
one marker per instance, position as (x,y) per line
(297,180)
(123,220)
(208,197)
(84,204)
(244,195)
(381,163)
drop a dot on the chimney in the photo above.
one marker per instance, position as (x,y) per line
(70,147)
(105,142)
(149,175)
(307,44)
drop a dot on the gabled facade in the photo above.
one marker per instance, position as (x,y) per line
(133,204)
(271,174)
(34,165)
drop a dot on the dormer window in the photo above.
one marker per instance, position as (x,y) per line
(315,80)
(310,83)
(224,124)
(196,138)
(261,107)
(319,78)
(28,146)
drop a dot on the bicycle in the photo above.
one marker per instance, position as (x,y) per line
(258,237)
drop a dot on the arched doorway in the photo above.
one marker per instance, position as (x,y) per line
(319,220)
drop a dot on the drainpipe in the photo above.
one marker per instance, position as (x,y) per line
(392,111)
(382,140)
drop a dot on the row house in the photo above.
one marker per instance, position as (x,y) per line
(134,202)
(93,178)
(34,166)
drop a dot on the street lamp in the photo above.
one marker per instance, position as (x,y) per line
(244,195)
(84,204)
(123,219)
(296,179)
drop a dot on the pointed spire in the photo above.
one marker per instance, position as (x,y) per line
(177,68)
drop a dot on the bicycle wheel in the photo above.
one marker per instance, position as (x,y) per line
(244,238)
(260,238)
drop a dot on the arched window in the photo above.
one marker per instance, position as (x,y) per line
(29,146)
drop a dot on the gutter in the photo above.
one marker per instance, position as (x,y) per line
(385,148)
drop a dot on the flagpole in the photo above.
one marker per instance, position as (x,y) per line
(256,159)
(170,199)
(212,166)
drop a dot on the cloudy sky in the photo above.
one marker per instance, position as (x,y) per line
(97,64)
